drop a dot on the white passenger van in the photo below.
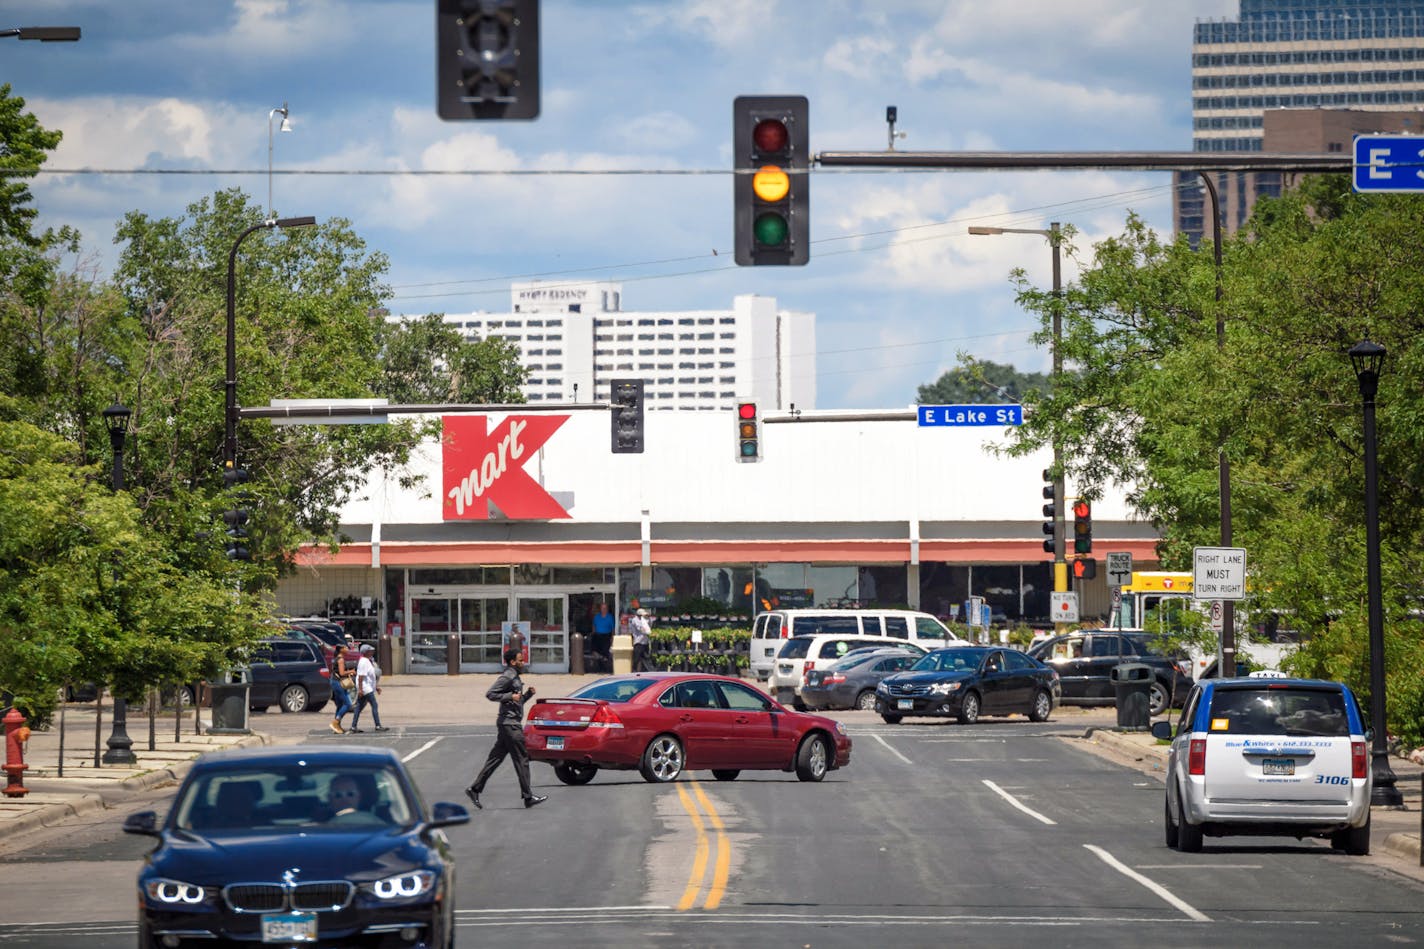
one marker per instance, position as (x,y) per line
(775,626)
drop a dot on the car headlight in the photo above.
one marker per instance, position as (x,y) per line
(405,886)
(944,688)
(840,729)
(175,892)
(882,689)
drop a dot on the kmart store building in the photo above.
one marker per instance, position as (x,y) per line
(529,518)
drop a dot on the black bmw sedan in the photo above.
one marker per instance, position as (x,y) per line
(969,681)
(298,845)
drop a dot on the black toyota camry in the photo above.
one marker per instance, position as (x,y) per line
(969,681)
(298,845)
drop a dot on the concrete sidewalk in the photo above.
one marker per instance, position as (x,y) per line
(1395,832)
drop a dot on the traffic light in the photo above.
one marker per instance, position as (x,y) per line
(236,521)
(771,188)
(748,432)
(1082,527)
(1050,511)
(487,59)
(627,398)
(1085,568)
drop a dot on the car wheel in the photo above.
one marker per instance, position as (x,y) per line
(1189,838)
(575,773)
(662,760)
(1042,706)
(865,701)
(294,698)
(891,719)
(725,774)
(1353,840)
(1170,827)
(813,760)
(1158,699)
(969,709)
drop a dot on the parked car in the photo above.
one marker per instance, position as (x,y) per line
(665,723)
(850,683)
(969,681)
(799,655)
(1268,755)
(774,626)
(289,673)
(259,847)
(1084,661)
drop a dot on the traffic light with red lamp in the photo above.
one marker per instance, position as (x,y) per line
(771,188)
(1082,527)
(748,432)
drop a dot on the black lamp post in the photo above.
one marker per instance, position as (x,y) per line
(1368,360)
(116,417)
(230,404)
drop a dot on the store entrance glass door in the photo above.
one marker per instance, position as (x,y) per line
(548,632)
(481,622)
(431,623)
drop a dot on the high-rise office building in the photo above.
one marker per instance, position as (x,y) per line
(1359,55)
(575,338)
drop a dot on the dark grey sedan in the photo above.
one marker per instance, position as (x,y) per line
(851,681)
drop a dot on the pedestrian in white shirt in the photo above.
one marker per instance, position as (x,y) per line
(640,628)
(368,678)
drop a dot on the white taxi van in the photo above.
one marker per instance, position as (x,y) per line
(774,627)
(1268,755)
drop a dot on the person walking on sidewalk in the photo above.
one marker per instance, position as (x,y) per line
(368,679)
(509,691)
(641,630)
(343,681)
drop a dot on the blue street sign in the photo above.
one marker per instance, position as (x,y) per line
(1389,163)
(954,415)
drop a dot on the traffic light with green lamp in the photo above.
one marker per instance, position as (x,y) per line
(771,188)
(1082,527)
(748,432)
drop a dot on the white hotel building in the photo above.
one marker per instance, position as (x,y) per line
(574,338)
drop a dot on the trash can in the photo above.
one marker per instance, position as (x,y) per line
(230,696)
(1132,687)
(576,654)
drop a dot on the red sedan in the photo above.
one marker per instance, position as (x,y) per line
(665,723)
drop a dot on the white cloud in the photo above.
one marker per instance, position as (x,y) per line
(861,57)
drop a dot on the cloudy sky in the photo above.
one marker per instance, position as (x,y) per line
(898,287)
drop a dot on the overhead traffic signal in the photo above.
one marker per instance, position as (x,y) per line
(1085,568)
(627,398)
(748,432)
(1082,527)
(487,59)
(771,188)
(236,521)
(1050,511)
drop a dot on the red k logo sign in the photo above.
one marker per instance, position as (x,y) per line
(481,466)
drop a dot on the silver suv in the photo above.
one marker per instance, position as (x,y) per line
(1269,756)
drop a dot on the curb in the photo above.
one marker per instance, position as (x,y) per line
(1403,845)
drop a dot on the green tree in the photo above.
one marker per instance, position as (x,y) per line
(981,382)
(427,361)
(27,147)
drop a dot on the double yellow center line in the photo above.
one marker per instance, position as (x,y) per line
(718,887)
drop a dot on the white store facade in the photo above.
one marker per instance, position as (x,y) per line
(527,517)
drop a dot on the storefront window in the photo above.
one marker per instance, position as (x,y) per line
(998,584)
(884,587)
(461,576)
(833,586)
(943,589)
(592,576)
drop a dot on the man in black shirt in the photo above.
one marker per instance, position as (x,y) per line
(509,691)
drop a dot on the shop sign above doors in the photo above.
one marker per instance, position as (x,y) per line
(483,467)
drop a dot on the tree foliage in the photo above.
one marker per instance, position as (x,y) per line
(982,382)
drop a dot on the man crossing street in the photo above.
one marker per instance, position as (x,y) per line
(509,691)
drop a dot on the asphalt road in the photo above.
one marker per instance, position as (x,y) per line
(1001,833)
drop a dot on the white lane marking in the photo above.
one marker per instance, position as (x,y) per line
(1181,904)
(892,750)
(1017,803)
(1199,866)
(424,747)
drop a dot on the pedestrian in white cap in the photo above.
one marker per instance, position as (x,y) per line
(367,688)
(641,630)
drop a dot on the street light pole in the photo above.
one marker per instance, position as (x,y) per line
(286,127)
(119,744)
(230,387)
(1368,360)
(1054,234)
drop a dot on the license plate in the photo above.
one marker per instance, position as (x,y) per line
(556,742)
(1278,766)
(907,703)
(289,927)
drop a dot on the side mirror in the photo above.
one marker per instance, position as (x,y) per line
(1162,730)
(144,823)
(445,814)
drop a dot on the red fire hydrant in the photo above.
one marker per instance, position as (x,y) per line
(16,734)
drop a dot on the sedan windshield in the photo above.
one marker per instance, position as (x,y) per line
(338,799)
(958,659)
(612,690)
